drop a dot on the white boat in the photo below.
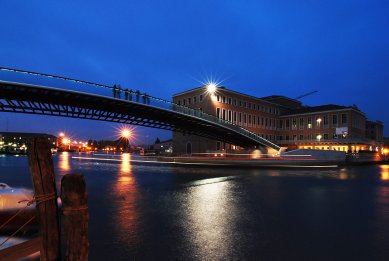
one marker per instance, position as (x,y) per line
(13,200)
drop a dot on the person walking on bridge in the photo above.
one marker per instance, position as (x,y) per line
(119,92)
(114,90)
(126,94)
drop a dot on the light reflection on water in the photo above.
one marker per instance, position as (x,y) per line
(209,207)
(180,213)
(126,199)
(384,172)
(63,161)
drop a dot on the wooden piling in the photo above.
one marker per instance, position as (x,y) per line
(42,174)
(74,218)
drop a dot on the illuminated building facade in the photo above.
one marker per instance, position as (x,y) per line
(280,119)
(17,142)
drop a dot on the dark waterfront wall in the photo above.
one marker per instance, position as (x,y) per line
(154,212)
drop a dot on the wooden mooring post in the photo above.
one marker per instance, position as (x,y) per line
(42,174)
(74,217)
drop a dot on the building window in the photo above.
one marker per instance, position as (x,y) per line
(229,116)
(254,120)
(325,137)
(294,124)
(309,122)
(218,147)
(249,119)
(335,120)
(295,137)
(301,137)
(229,100)
(201,97)
(249,105)
(234,116)
(318,122)
(280,137)
(224,99)
(287,124)
(325,121)
(344,119)
(224,114)
(189,101)
(194,99)
(234,102)
(301,125)
(245,104)
(240,118)
(244,119)
(287,137)
(217,112)
(240,103)
(218,98)
(179,102)
(280,124)
(266,122)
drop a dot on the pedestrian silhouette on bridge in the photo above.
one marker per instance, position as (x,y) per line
(126,94)
(114,90)
(119,92)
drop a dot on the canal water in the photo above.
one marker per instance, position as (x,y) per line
(144,211)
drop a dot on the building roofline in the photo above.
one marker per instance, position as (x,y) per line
(230,91)
(323,111)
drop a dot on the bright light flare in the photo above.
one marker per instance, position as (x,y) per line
(65,141)
(126,133)
(211,87)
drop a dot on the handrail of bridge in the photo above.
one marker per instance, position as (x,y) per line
(151,101)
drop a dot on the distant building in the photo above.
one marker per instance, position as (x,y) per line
(163,147)
(375,130)
(282,120)
(17,142)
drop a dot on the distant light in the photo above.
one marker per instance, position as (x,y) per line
(318,120)
(61,134)
(319,137)
(65,141)
(126,133)
(211,88)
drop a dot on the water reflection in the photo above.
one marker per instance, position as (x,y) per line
(384,172)
(63,161)
(125,166)
(126,199)
(210,217)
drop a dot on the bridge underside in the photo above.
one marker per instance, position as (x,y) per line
(30,99)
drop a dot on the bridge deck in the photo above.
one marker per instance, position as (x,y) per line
(35,99)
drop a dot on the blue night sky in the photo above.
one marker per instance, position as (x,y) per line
(339,48)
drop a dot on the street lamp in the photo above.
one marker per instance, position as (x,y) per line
(126,134)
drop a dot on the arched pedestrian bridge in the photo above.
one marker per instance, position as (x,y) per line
(143,111)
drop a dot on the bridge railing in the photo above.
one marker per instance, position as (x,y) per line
(122,93)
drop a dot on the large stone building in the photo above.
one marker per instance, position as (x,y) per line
(280,119)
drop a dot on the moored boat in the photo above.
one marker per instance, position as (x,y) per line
(14,208)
